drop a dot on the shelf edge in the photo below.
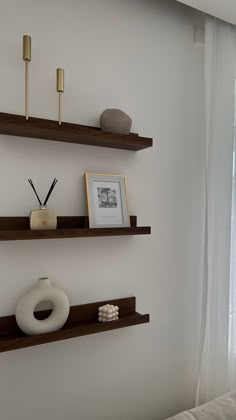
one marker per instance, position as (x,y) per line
(38,128)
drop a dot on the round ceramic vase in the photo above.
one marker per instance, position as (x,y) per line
(41,292)
(115,121)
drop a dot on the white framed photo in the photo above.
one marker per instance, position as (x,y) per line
(107,200)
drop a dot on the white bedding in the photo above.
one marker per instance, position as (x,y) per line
(221,408)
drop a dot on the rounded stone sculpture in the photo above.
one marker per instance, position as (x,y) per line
(115,121)
(43,291)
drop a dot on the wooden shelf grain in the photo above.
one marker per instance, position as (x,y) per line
(82,321)
(38,128)
(17,228)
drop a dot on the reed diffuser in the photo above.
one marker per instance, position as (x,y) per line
(43,219)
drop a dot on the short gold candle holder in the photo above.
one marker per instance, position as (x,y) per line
(60,90)
(27,59)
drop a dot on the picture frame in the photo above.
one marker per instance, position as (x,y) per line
(107,200)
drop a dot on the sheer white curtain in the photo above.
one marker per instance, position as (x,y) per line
(220,59)
(232,304)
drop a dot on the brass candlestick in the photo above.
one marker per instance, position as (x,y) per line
(60,90)
(27,59)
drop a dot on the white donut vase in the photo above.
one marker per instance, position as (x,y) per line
(41,292)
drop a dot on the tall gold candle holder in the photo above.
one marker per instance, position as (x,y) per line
(60,90)
(27,59)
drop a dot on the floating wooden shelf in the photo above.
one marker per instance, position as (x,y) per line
(17,228)
(82,321)
(37,128)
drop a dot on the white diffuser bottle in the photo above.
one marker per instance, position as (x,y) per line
(43,291)
(43,219)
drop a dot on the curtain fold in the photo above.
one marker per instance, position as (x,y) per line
(232,302)
(220,58)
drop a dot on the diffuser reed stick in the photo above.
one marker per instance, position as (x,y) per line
(50,191)
(32,185)
(48,194)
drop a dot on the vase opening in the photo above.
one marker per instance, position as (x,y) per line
(44,282)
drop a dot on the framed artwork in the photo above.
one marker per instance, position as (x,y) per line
(107,200)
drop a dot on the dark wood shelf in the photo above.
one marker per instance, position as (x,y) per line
(82,321)
(17,228)
(37,128)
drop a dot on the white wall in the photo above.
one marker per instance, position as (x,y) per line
(222,9)
(139,56)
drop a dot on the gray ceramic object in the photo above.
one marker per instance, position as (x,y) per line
(115,121)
